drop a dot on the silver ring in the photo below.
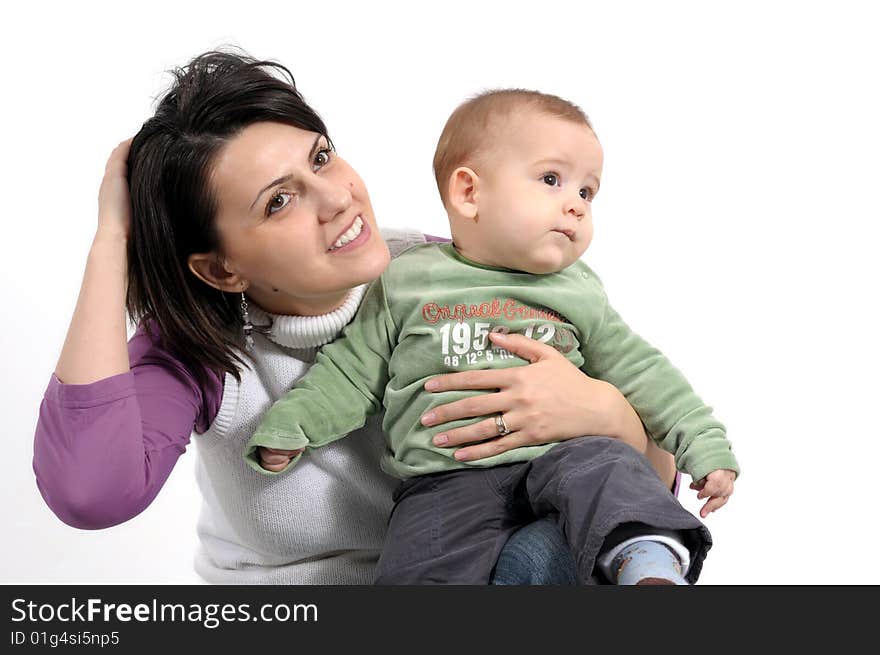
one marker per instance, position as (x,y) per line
(502,428)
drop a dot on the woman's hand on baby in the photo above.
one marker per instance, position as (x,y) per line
(275,459)
(717,487)
(114,202)
(548,400)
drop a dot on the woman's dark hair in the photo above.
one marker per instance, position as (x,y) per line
(212,99)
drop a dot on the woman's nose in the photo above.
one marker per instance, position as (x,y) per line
(334,197)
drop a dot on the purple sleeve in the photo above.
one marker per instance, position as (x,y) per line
(430,238)
(102,451)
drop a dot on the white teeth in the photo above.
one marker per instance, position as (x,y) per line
(350,234)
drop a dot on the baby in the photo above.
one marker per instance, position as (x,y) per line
(517,172)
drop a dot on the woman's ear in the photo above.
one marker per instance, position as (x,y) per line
(464,190)
(211,270)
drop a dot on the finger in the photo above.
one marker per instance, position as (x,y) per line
(523,346)
(706,492)
(120,153)
(280,451)
(469,434)
(275,468)
(482,405)
(489,448)
(274,460)
(714,504)
(123,147)
(466,380)
(714,487)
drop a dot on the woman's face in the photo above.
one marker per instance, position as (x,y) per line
(294,219)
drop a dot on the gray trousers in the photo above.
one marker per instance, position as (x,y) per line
(448,528)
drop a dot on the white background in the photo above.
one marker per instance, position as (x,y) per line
(737,227)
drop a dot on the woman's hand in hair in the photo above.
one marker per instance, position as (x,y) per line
(114,203)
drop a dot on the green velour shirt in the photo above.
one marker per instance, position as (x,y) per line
(431,313)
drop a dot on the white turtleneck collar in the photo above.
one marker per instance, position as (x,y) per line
(307,331)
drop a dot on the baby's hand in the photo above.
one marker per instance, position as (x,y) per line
(275,459)
(717,487)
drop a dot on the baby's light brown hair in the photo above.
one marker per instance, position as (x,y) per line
(473,126)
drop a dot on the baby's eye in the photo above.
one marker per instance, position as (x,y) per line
(552,179)
(586,194)
(322,158)
(277,202)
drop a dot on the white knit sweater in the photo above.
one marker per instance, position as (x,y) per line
(253,528)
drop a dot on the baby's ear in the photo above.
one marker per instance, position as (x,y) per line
(464,188)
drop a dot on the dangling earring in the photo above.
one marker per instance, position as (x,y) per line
(248,327)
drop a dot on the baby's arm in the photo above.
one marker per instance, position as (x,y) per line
(343,386)
(674,416)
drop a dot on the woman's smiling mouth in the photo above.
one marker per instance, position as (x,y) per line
(355,230)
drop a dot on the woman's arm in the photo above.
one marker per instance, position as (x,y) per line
(115,416)
(95,346)
(102,451)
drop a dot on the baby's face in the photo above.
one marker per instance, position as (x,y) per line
(536,186)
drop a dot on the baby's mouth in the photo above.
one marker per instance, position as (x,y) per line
(569,233)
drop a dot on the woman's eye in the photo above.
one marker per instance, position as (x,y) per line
(552,179)
(277,202)
(322,158)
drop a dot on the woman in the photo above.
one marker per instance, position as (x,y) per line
(247,246)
